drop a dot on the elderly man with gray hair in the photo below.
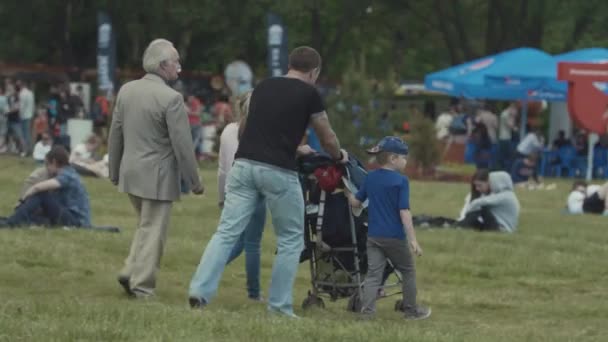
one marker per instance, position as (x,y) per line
(150,150)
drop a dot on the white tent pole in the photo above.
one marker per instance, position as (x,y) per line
(593,138)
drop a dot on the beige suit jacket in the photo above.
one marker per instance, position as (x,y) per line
(150,144)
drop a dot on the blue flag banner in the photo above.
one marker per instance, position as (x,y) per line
(277,46)
(106,52)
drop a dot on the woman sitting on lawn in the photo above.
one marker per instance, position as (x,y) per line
(498,211)
(83,161)
(588,199)
(479,187)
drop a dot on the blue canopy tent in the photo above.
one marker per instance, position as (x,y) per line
(538,81)
(468,80)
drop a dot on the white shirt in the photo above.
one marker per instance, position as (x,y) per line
(40,151)
(79,153)
(442,125)
(489,120)
(504,128)
(229,143)
(577,198)
(575,202)
(26,104)
(529,145)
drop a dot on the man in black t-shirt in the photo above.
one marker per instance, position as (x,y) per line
(280,111)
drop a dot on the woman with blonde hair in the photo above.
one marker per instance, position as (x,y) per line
(251,238)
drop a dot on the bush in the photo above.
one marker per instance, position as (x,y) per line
(424,148)
(359,100)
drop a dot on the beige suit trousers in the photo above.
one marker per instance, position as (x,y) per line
(148,243)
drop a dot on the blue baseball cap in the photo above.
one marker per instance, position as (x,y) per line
(390,144)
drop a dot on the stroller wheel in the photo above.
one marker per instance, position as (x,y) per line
(354,303)
(399,305)
(312,300)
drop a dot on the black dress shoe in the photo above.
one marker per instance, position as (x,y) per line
(197,303)
(124,282)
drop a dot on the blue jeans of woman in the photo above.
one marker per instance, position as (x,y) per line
(250,241)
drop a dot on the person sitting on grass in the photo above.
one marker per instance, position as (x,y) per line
(588,199)
(42,147)
(83,161)
(391,232)
(58,201)
(524,174)
(479,188)
(498,211)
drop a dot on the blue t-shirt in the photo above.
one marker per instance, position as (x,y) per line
(74,196)
(388,193)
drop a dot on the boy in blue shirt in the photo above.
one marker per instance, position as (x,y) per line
(389,213)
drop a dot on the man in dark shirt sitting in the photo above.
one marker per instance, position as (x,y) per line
(58,201)
(280,111)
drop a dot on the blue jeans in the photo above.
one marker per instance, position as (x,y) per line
(197,138)
(43,208)
(248,182)
(505,153)
(250,241)
(26,127)
(16,130)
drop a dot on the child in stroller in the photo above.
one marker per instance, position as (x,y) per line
(335,236)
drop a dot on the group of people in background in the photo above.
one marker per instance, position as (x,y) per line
(493,141)
(17,108)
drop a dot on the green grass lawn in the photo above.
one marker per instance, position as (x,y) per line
(547,282)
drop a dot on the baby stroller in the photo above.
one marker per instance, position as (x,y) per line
(335,237)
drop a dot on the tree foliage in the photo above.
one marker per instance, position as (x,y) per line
(408,37)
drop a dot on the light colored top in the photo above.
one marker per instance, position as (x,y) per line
(4,107)
(530,144)
(26,104)
(229,142)
(577,198)
(465,207)
(502,202)
(489,120)
(504,128)
(442,125)
(40,151)
(80,153)
(575,202)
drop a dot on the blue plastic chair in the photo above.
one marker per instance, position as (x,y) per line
(600,162)
(545,166)
(567,160)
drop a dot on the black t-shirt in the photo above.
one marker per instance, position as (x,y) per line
(279,113)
